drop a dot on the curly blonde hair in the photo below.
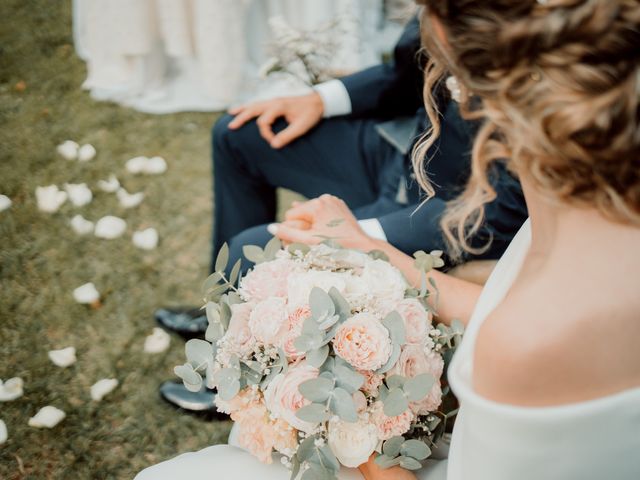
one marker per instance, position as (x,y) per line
(557,84)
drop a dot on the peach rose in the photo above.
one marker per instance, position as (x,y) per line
(293,329)
(389,427)
(363,342)
(286,439)
(237,403)
(267,320)
(372,382)
(256,433)
(267,279)
(283,398)
(417,321)
(239,334)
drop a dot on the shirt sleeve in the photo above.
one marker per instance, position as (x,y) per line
(335,98)
(373,229)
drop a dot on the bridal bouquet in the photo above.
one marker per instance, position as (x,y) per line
(324,355)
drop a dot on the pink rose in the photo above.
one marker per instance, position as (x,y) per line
(363,342)
(372,382)
(417,321)
(239,334)
(283,398)
(267,320)
(415,360)
(268,279)
(293,329)
(389,427)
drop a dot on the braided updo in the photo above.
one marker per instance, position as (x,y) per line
(559,89)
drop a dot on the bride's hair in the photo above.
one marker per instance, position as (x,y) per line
(557,84)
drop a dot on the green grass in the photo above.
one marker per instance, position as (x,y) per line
(42,260)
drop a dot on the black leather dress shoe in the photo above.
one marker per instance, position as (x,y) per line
(203,401)
(187,321)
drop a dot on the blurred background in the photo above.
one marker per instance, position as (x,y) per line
(130,78)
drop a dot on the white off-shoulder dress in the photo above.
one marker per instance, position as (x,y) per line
(592,440)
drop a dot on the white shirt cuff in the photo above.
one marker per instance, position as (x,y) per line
(335,98)
(373,229)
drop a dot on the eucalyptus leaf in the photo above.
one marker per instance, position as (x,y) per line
(310,326)
(192,380)
(214,332)
(235,272)
(328,459)
(341,403)
(410,463)
(393,358)
(313,413)
(275,371)
(316,472)
(198,352)
(391,447)
(306,449)
(348,378)
(342,307)
(418,387)
(384,461)
(306,342)
(316,357)
(436,253)
(253,253)
(393,322)
(383,391)
(225,315)
(298,247)
(228,389)
(222,259)
(211,281)
(378,255)
(271,249)
(457,326)
(396,381)
(321,303)
(415,449)
(316,389)
(295,467)
(395,403)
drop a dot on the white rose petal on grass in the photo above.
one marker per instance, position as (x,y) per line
(86,152)
(146,239)
(129,200)
(157,342)
(47,417)
(79,194)
(3,432)
(50,198)
(110,227)
(103,387)
(68,149)
(86,294)
(11,389)
(64,357)
(81,225)
(5,202)
(110,185)
(136,164)
(156,166)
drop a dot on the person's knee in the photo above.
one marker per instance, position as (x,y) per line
(221,133)
(252,236)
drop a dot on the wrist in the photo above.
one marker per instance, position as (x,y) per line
(317,102)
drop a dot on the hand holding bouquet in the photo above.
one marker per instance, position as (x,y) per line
(324,355)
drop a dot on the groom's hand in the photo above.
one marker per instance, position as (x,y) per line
(302,113)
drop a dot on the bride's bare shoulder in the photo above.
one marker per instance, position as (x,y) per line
(553,345)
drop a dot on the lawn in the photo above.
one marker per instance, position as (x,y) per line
(42,260)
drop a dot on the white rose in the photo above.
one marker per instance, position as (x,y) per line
(352,443)
(267,320)
(384,282)
(299,285)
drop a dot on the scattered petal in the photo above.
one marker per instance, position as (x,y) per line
(86,294)
(11,389)
(129,200)
(156,166)
(68,149)
(110,186)
(81,225)
(47,417)
(110,227)
(3,432)
(79,193)
(50,198)
(136,164)
(102,388)
(64,357)
(5,202)
(146,239)
(86,152)
(157,342)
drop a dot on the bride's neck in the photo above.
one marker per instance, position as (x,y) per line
(558,227)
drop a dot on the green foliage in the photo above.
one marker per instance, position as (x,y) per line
(405,453)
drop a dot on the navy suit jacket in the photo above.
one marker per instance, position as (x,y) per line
(393,90)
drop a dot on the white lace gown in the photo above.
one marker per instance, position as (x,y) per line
(593,440)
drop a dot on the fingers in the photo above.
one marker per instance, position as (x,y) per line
(302,212)
(293,235)
(289,134)
(245,114)
(265,121)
